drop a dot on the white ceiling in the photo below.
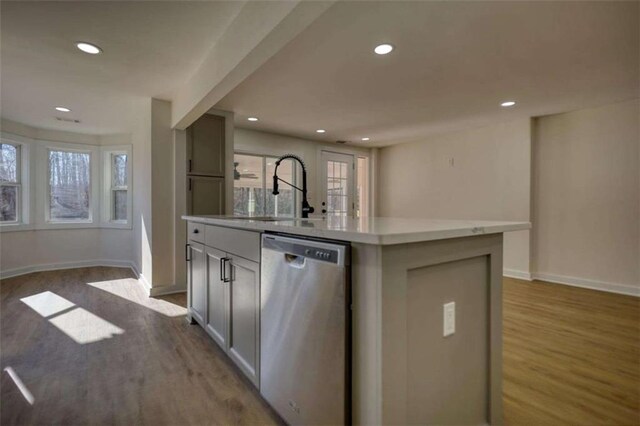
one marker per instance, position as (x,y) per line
(150,49)
(454,63)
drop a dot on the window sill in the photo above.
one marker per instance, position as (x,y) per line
(17,227)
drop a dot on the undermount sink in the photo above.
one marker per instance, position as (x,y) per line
(259,218)
(271,218)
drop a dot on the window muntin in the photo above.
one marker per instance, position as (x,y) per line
(119,187)
(10,183)
(69,186)
(253,186)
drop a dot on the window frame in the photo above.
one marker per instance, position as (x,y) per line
(23,206)
(356,152)
(92,187)
(296,178)
(108,189)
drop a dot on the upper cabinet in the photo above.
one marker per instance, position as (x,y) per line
(206,146)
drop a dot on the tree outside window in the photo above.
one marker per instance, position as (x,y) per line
(9,182)
(69,186)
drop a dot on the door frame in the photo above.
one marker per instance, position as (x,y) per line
(369,153)
(323,184)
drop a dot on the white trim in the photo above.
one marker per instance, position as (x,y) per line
(9,273)
(514,273)
(590,284)
(106,207)
(156,291)
(141,279)
(43,165)
(167,289)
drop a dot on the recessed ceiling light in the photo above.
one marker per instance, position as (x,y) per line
(508,103)
(365,139)
(252,118)
(62,109)
(383,49)
(320,131)
(88,48)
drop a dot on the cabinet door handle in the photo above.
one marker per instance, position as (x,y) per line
(187,252)
(223,270)
(189,166)
(195,231)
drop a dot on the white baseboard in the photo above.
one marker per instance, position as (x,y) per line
(167,289)
(590,284)
(573,281)
(8,273)
(157,291)
(149,290)
(514,273)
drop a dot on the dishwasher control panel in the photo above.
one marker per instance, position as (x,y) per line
(322,254)
(311,249)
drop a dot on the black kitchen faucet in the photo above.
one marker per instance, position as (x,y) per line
(306,208)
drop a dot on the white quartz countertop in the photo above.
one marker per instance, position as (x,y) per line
(372,230)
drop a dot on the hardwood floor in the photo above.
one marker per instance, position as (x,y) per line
(91,348)
(113,357)
(571,355)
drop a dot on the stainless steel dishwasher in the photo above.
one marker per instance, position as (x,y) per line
(305,329)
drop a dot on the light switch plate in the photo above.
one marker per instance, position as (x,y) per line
(449,316)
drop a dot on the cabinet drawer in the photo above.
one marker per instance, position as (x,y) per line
(235,241)
(196,231)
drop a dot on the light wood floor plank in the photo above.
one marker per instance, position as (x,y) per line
(571,355)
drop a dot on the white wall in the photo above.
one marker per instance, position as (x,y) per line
(22,251)
(473,174)
(142,220)
(162,192)
(263,143)
(586,197)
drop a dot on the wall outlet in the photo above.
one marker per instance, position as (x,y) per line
(449,315)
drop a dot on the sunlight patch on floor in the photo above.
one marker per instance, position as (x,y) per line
(47,303)
(130,290)
(84,327)
(21,386)
(79,324)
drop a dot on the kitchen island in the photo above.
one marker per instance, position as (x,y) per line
(404,370)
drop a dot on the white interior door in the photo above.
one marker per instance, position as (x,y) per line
(337,184)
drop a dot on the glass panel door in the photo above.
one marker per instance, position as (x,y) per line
(338,184)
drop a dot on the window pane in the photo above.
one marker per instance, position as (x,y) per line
(119,205)
(119,169)
(8,163)
(248,185)
(282,204)
(8,203)
(337,191)
(69,180)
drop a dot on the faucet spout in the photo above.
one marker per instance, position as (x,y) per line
(306,207)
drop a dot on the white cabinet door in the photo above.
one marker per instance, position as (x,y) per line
(244,316)
(197,278)
(217,297)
